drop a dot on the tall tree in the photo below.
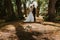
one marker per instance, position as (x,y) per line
(51,10)
(57,6)
(9,9)
(38,8)
(2,10)
(25,7)
(20,15)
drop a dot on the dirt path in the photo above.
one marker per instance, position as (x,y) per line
(48,32)
(44,32)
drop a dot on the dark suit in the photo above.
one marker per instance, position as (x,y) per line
(34,12)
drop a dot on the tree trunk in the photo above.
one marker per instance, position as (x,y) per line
(9,9)
(25,10)
(51,10)
(20,15)
(2,10)
(38,8)
(57,6)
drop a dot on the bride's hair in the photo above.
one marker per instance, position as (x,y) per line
(30,6)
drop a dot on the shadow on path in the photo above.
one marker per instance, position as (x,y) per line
(22,35)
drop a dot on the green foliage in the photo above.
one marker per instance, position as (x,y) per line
(57,6)
(14,5)
(44,6)
(57,18)
(46,18)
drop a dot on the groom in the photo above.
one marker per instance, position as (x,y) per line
(34,12)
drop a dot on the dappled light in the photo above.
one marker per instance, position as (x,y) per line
(29,19)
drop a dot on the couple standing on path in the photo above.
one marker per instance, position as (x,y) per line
(31,15)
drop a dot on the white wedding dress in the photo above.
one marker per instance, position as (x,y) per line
(30,17)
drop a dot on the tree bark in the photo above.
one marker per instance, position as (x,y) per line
(51,10)
(9,9)
(57,7)
(38,8)
(2,10)
(20,15)
(25,10)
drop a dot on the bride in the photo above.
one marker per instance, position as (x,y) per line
(30,17)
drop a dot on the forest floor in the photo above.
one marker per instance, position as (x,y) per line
(31,31)
(39,30)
